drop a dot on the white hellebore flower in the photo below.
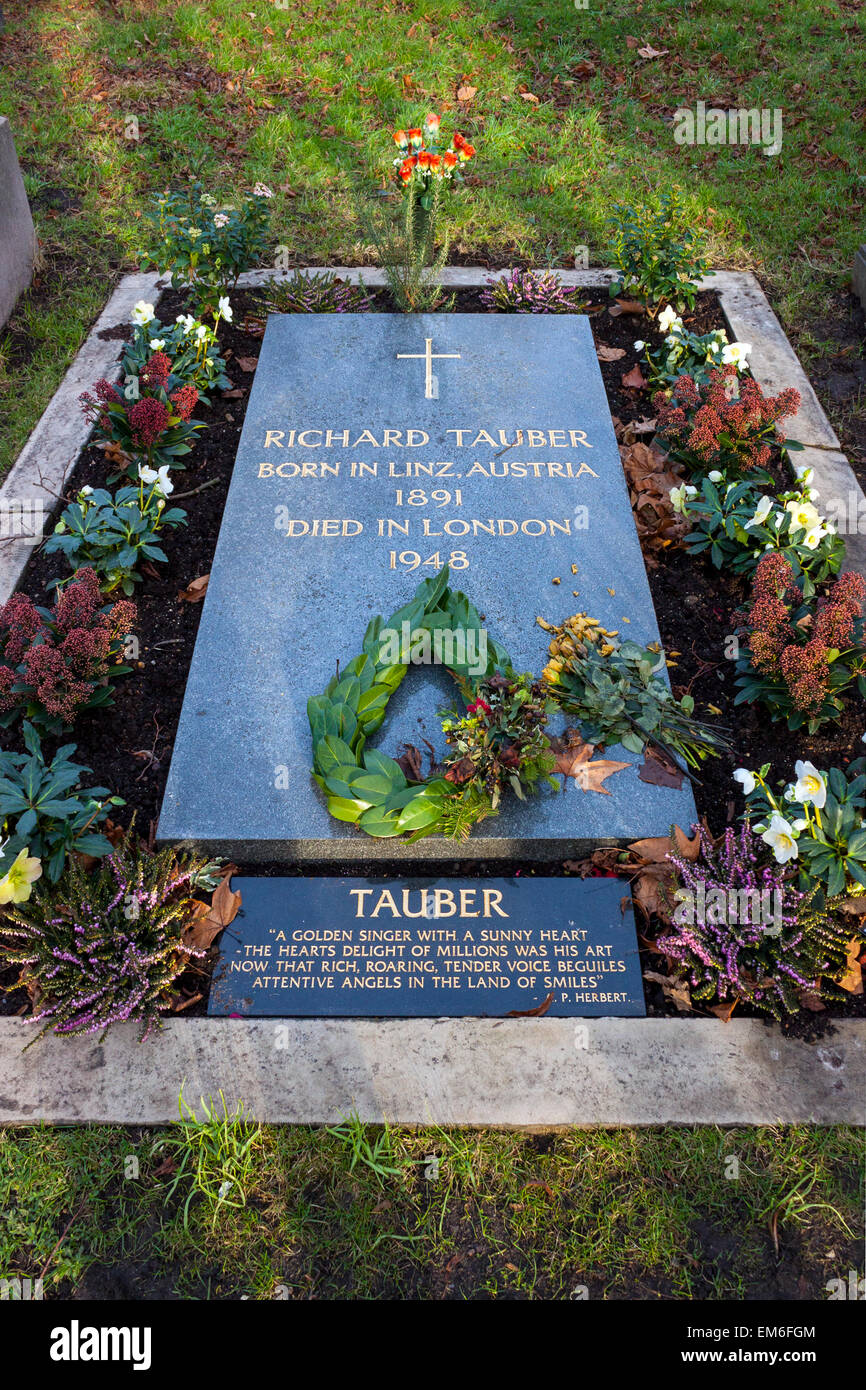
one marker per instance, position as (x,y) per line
(803,515)
(669,318)
(680,495)
(201,332)
(810,785)
(746,778)
(781,838)
(813,538)
(188,322)
(157,344)
(716,476)
(639,345)
(143,313)
(159,477)
(225,308)
(762,511)
(85,491)
(735,354)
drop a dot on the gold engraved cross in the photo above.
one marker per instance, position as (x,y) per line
(430,381)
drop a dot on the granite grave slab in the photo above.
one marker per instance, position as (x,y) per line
(375,449)
(429,948)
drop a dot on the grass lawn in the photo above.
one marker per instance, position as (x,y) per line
(705,1213)
(111,101)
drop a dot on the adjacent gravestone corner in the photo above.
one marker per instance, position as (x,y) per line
(17,234)
(858,274)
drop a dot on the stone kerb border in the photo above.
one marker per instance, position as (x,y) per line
(472,1072)
(505,1073)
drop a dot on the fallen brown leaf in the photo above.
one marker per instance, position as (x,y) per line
(650,52)
(224,907)
(590,774)
(634,380)
(723,1011)
(656,849)
(626,306)
(658,770)
(194,592)
(672,988)
(532,1013)
(608,354)
(247,364)
(852,980)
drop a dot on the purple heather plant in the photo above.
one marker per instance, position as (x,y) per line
(531,292)
(743,933)
(321,293)
(106,945)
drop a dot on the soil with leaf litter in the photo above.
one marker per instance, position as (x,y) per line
(128,745)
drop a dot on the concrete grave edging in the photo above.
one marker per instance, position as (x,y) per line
(503,1073)
(438,1071)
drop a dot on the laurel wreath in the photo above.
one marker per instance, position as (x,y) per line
(362,785)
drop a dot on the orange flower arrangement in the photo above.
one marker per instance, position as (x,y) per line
(421,158)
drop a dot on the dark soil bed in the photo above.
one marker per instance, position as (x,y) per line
(128,746)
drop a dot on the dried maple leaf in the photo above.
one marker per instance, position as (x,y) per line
(224,907)
(650,478)
(656,849)
(194,592)
(590,774)
(465,94)
(673,988)
(247,364)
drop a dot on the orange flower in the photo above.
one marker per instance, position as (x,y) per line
(458,142)
(415,135)
(425,160)
(449,159)
(406,168)
(400,139)
(432,121)
(466,151)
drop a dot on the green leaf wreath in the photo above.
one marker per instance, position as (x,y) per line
(498,742)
